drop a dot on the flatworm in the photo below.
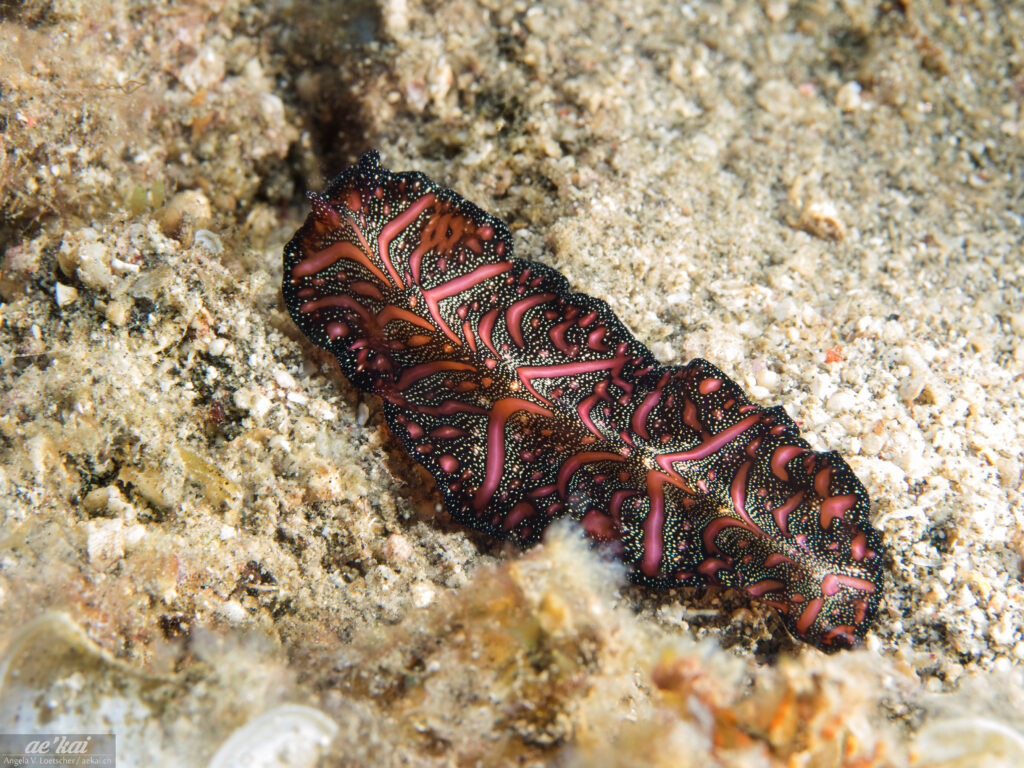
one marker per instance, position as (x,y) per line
(528,402)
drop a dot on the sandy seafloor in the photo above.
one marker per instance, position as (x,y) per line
(205,524)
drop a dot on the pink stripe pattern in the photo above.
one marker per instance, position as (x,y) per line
(528,402)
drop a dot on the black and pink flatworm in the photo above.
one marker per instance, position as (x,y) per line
(528,403)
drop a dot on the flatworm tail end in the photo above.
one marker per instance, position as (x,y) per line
(761,512)
(528,402)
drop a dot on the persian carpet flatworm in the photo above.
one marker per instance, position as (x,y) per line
(528,402)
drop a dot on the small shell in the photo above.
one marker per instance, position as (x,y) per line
(969,741)
(290,735)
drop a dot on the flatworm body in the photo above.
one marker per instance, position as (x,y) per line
(528,402)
